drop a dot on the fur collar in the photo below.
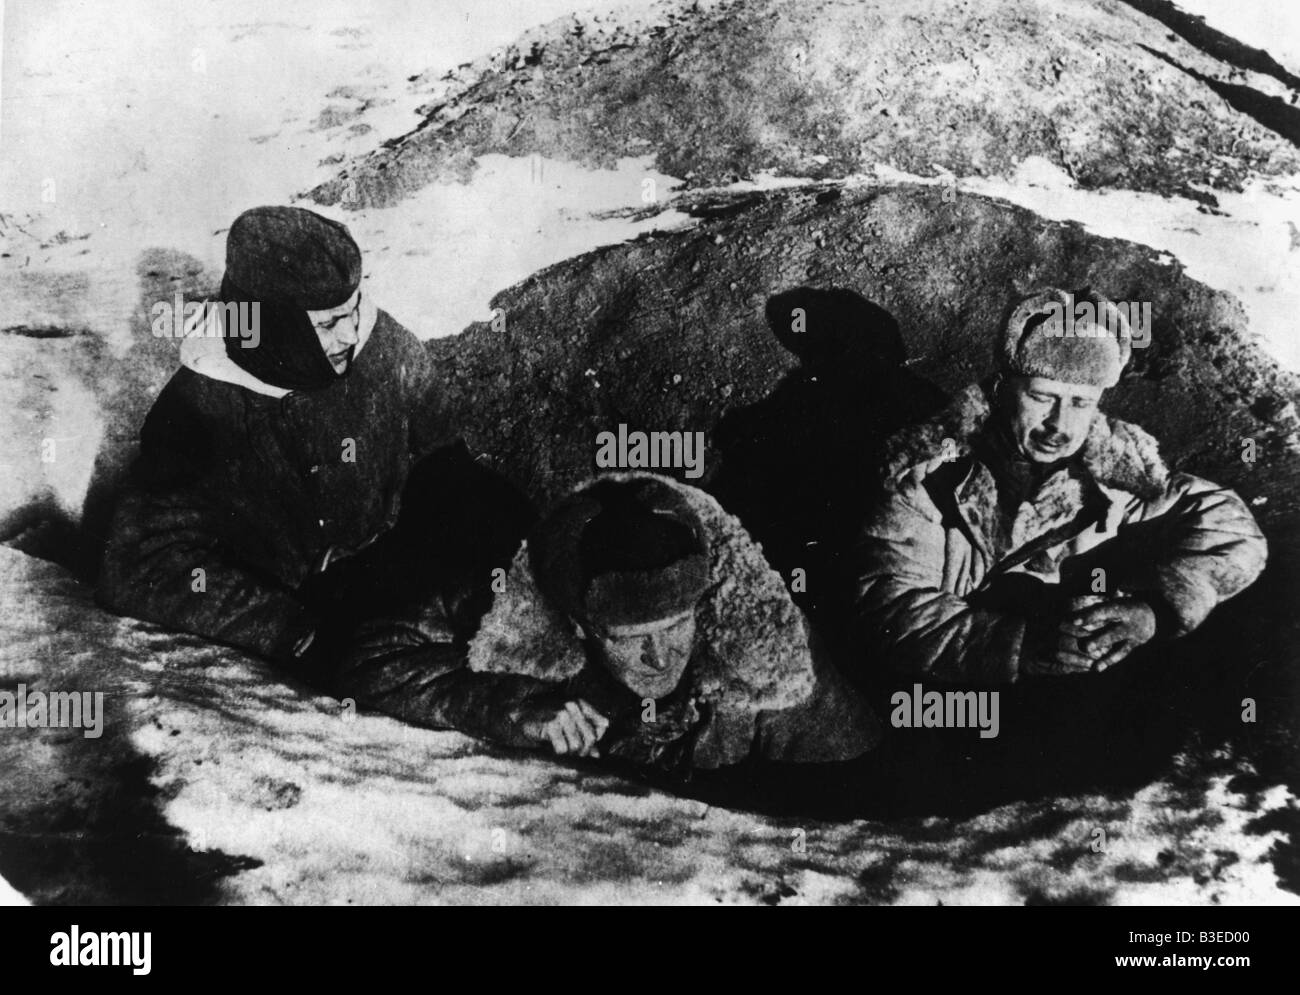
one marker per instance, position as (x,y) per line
(755,653)
(1117,454)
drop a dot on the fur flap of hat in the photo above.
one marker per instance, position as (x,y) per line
(1040,339)
(1117,453)
(755,641)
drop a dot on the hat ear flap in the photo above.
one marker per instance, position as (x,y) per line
(523,634)
(555,560)
(1043,302)
(1113,319)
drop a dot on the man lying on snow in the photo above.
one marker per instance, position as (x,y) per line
(643,601)
(1024,533)
(270,461)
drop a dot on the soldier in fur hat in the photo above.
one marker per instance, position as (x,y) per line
(644,600)
(1026,533)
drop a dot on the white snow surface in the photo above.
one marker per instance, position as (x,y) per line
(9,897)
(160,134)
(343,808)
(1249,247)
(1265,24)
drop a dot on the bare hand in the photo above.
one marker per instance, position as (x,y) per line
(1067,656)
(1110,631)
(574,727)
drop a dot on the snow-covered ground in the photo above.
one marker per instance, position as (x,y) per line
(200,112)
(1265,24)
(1249,246)
(9,896)
(308,803)
(160,134)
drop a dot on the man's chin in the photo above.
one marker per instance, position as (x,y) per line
(652,688)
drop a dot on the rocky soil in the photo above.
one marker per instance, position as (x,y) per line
(720,90)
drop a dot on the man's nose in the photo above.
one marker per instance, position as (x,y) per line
(652,655)
(347,335)
(1053,419)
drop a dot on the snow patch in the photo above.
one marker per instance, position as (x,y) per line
(194,114)
(435,259)
(9,896)
(1249,246)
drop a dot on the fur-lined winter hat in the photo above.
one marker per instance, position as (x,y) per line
(752,639)
(622,552)
(1076,337)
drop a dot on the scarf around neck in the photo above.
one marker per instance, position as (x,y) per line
(289,353)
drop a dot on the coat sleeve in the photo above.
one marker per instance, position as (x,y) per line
(904,615)
(1199,546)
(832,724)
(398,669)
(166,528)
(159,542)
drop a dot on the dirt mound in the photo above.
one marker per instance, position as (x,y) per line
(724,90)
(902,288)
(796,330)
(693,331)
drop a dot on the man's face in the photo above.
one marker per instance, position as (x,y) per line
(1050,419)
(339,331)
(648,659)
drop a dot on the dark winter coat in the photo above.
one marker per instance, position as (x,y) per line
(242,492)
(753,689)
(933,558)
(308,513)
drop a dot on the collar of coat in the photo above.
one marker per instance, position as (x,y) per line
(1117,456)
(203,349)
(754,652)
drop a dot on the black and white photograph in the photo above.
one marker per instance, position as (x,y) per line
(691,452)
